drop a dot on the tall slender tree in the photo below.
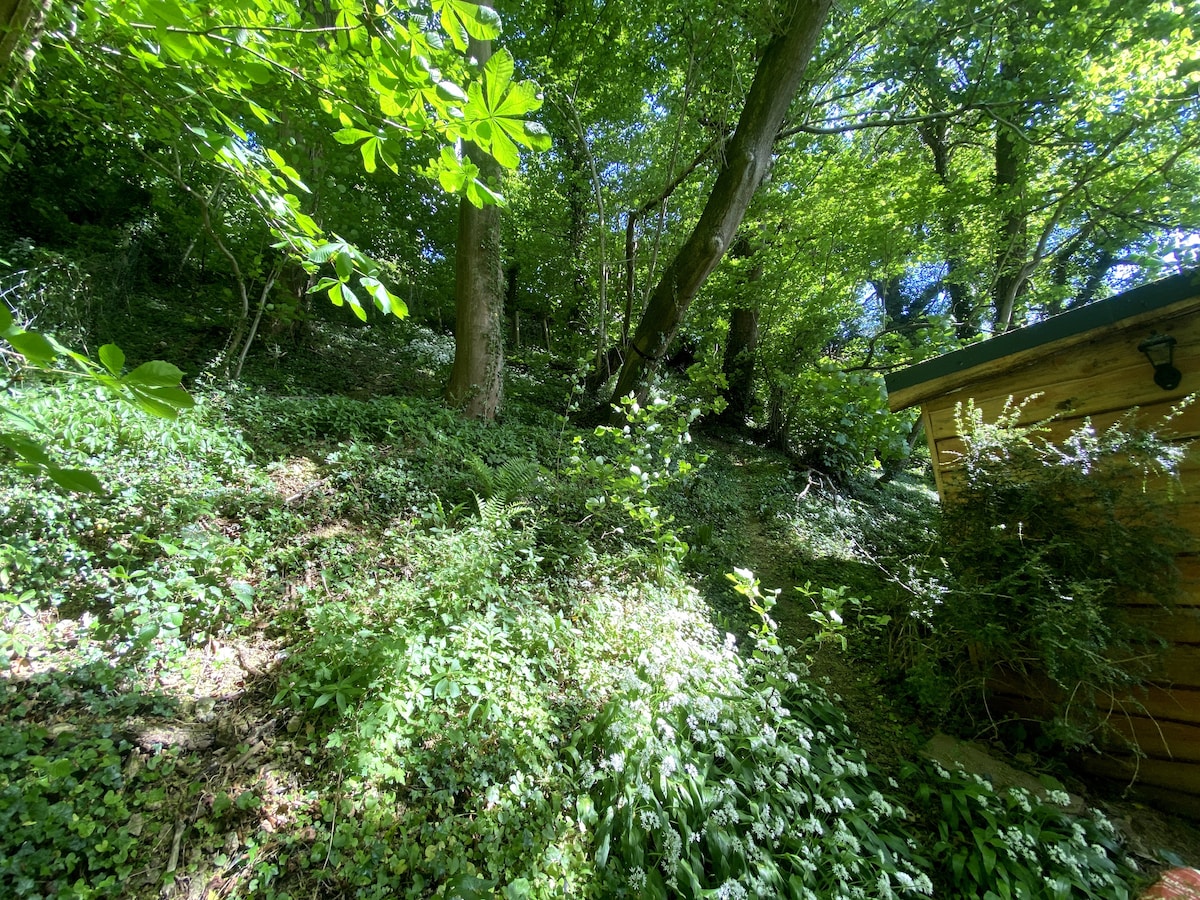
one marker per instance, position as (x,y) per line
(747,159)
(477,379)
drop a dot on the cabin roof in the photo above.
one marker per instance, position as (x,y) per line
(951,371)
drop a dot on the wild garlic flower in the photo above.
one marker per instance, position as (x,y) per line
(1058,798)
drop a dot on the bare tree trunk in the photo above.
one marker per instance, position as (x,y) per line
(1011,152)
(603,313)
(962,309)
(741,347)
(740,352)
(21,25)
(777,419)
(747,160)
(1009,280)
(262,305)
(477,379)
(511,274)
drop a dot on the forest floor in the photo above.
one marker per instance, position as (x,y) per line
(211,769)
(785,557)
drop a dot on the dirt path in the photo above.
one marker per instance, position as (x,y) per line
(777,557)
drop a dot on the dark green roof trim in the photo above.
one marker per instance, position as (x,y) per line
(1144,299)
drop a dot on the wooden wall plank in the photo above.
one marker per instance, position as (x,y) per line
(1157,739)
(1180,625)
(1179,666)
(1178,704)
(1178,777)
(1095,378)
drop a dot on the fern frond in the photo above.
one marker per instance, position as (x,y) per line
(515,478)
(485,482)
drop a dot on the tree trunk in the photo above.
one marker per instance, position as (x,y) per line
(1009,280)
(1011,153)
(21,24)
(740,352)
(962,309)
(477,379)
(777,419)
(747,158)
(741,347)
(511,274)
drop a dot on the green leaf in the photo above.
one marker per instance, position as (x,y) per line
(344,264)
(471,887)
(6,319)
(25,447)
(481,22)
(155,373)
(174,397)
(355,303)
(450,171)
(35,347)
(521,100)
(504,151)
(176,45)
(78,480)
(148,403)
(368,153)
(263,115)
(450,92)
(258,73)
(497,75)
(60,768)
(536,136)
(324,253)
(351,135)
(385,300)
(113,358)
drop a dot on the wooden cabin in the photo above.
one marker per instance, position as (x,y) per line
(1095,362)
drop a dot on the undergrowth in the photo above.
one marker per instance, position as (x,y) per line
(495,677)
(1042,546)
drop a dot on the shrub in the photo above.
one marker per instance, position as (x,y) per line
(839,423)
(1043,543)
